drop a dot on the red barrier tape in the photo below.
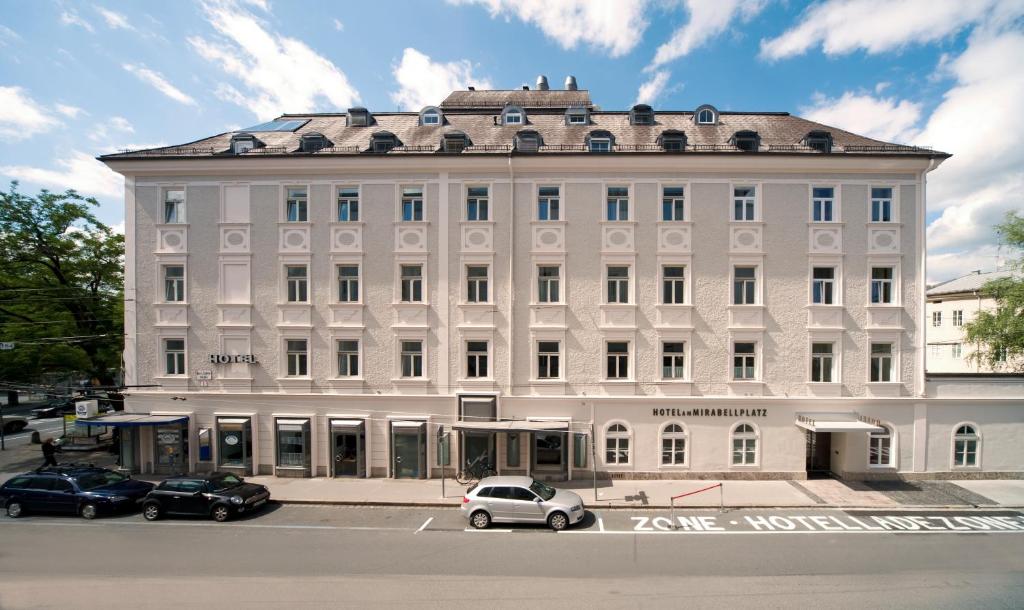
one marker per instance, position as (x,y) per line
(695,492)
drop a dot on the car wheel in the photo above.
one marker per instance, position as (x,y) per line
(480,520)
(89,511)
(221,513)
(14,510)
(151,511)
(558,521)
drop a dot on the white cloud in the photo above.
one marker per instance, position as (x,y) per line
(6,34)
(877,26)
(115,20)
(161,84)
(886,119)
(423,82)
(612,26)
(115,126)
(708,19)
(338,25)
(22,117)
(78,170)
(280,74)
(653,88)
(70,17)
(950,265)
(118,228)
(69,111)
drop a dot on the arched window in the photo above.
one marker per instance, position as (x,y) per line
(577,115)
(880,451)
(431,116)
(641,114)
(965,446)
(673,445)
(616,444)
(600,141)
(513,115)
(744,445)
(706,115)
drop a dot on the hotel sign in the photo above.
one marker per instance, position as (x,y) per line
(656,412)
(232,358)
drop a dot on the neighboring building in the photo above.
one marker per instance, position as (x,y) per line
(951,305)
(714,294)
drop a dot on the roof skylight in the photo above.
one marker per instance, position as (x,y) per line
(278,125)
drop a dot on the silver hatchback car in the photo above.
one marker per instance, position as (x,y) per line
(520,500)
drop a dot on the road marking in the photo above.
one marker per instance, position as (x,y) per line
(492,531)
(600,524)
(187,524)
(751,532)
(425,524)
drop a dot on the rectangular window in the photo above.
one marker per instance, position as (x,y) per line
(881,205)
(174,206)
(618,360)
(296,205)
(297,357)
(579,450)
(743,361)
(174,356)
(957,350)
(412,283)
(547,360)
(933,350)
(600,145)
(673,360)
(672,204)
(823,285)
(298,283)
(477,203)
(348,205)
(348,358)
(822,360)
(293,443)
(412,358)
(618,203)
(174,283)
(512,449)
(513,118)
(958,317)
(673,284)
(936,318)
(744,286)
(444,450)
(476,359)
(743,199)
(348,283)
(476,284)
(822,202)
(618,284)
(548,203)
(412,204)
(881,362)
(548,284)
(881,284)
(205,445)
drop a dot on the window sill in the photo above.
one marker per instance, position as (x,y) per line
(171,304)
(173,377)
(297,378)
(825,223)
(347,223)
(618,222)
(414,223)
(746,222)
(423,304)
(536,221)
(410,380)
(299,223)
(744,466)
(477,222)
(872,223)
(673,467)
(674,223)
(477,305)
(547,381)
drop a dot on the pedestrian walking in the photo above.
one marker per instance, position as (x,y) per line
(49,451)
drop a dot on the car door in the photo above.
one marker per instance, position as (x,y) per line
(63,497)
(500,504)
(22,489)
(194,499)
(36,496)
(171,498)
(526,505)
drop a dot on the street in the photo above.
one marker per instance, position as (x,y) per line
(51,426)
(320,556)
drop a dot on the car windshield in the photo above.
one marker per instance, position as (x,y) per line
(224,482)
(99,479)
(544,491)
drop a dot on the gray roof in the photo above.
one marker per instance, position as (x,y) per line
(475,113)
(971,282)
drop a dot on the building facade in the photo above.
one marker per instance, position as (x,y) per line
(521,276)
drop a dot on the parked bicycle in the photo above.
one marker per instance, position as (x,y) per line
(474,471)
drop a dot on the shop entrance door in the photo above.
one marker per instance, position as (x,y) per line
(819,455)
(408,450)
(348,446)
(549,453)
(475,445)
(170,450)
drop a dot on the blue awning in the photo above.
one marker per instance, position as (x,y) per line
(132,420)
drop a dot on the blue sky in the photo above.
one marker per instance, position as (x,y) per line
(79,79)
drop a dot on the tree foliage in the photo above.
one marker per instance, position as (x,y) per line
(999,334)
(61,288)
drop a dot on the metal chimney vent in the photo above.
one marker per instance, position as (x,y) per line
(542,83)
(570,83)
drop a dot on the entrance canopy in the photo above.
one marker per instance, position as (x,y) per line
(132,420)
(836,422)
(512,426)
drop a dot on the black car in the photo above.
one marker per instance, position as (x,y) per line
(220,495)
(74,490)
(13,425)
(55,408)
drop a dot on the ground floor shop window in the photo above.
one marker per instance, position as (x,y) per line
(512,450)
(579,451)
(205,445)
(744,445)
(293,443)
(234,442)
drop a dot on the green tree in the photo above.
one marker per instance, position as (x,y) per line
(61,288)
(999,334)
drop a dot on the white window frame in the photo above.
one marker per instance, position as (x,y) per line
(894,373)
(165,352)
(700,114)
(561,199)
(284,203)
(957,351)
(629,284)
(487,201)
(401,189)
(836,204)
(561,282)
(399,348)
(337,357)
(755,436)
(358,281)
(181,283)
(630,211)
(684,355)
(835,283)
(358,201)
(625,435)
(519,120)
(559,354)
(683,436)
(287,359)
(577,118)
(756,201)
(399,280)
(732,359)
(487,354)
(893,204)
(834,355)
(466,280)
(958,317)
(663,281)
(287,281)
(893,436)
(976,438)
(630,360)
(603,144)
(431,113)
(732,282)
(896,281)
(936,319)
(661,201)
(180,206)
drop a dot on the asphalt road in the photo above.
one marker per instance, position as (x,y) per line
(318,556)
(51,426)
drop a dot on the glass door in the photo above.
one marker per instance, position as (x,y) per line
(408,450)
(477,445)
(549,452)
(169,450)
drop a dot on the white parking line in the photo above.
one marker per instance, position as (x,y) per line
(425,524)
(752,532)
(492,531)
(600,524)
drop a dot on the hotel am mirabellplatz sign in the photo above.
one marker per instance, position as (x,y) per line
(702,412)
(232,358)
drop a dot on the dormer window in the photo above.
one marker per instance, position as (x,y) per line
(431,117)
(359,117)
(600,142)
(513,115)
(312,142)
(243,142)
(528,141)
(454,142)
(820,141)
(706,115)
(747,141)
(382,142)
(576,116)
(641,114)
(672,141)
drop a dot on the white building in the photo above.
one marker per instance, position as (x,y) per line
(950,305)
(518,274)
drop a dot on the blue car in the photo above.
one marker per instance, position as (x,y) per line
(73,490)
